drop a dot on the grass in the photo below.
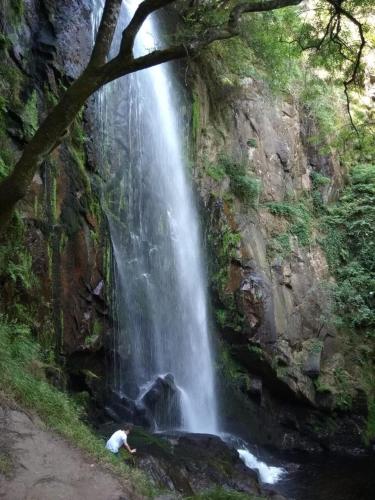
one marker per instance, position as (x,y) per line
(6,464)
(223,494)
(18,352)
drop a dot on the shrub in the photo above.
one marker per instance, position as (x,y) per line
(349,244)
(243,184)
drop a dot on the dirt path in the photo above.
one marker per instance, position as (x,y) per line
(36,464)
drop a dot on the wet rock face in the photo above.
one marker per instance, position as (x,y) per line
(192,463)
(157,408)
(270,288)
(65,229)
(162,401)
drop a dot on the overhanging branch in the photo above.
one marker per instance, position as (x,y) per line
(105,33)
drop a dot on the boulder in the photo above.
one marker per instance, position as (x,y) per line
(162,400)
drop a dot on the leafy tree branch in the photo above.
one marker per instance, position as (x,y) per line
(100,70)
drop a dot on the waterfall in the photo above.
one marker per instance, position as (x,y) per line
(162,358)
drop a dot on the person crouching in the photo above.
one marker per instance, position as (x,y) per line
(119,439)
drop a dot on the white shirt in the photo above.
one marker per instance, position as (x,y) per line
(115,442)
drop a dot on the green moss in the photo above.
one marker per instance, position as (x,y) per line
(15,259)
(279,246)
(231,372)
(5,43)
(244,185)
(195,117)
(252,143)
(299,218)
(30,116)
(143,440)
(216,172)
(11,83)
(6,464)
(322,387)
(225,243)
(343,396)
(17,11)
(4,169)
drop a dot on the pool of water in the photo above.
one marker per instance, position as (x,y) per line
(322,477)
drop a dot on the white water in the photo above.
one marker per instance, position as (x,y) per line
(160,283)
(161,299)
(268,474)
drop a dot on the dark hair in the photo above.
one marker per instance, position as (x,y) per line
(127,427)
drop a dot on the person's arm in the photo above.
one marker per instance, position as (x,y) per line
(129,449)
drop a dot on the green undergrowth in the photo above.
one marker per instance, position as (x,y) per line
(243,183)
(6,464)
(19,380)
(231,373)
(224,242)
(349,244)
(300,220)
(15,259)
(223,494)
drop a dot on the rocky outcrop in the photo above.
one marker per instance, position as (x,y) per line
(61,238)
(269,275)
(187,464)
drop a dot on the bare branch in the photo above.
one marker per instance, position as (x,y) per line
(337,4)
(144,9)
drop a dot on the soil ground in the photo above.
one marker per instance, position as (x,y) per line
(36,464)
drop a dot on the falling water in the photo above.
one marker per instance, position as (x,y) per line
(160,283)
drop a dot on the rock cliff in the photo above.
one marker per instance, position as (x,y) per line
(55,256)
(259,175)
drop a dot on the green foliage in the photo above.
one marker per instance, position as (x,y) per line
(17,10)
(15,259)
(223,494)
(18,353)
(195,116)
(270,37)
(4,169)
(216,172)
(30,116)
(279,245)
(231,372)
(231,61)
(318,182)
(226,244)
(5,43)
(322,387)
(243,184)
(11,82)
(300,221)
(350,248)
(343,397)
(20,270)
(77,150)
(6,464)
